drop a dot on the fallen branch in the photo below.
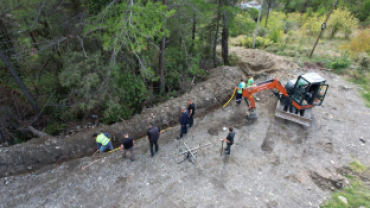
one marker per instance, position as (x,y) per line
(38,133)
(96,122)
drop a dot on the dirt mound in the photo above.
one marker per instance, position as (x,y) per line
(259,62)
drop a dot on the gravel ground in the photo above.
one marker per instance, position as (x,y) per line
(274,163)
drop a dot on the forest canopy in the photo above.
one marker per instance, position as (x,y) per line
(74,60)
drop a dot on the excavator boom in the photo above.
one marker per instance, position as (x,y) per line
(269,84)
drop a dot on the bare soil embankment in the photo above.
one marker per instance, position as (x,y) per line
(38,152)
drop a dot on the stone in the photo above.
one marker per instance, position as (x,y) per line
(343,87)
(362,140)
(343,199)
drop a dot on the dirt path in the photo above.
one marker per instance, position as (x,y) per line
(274,163)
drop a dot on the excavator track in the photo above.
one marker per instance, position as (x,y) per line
(303,117)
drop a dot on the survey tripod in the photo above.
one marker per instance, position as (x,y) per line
(189,154)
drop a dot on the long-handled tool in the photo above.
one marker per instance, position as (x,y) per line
(94,153)
(222,146)
(83,167)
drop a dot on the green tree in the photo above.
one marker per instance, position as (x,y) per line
(341,21)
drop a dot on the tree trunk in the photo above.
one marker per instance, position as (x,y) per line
(269,2)
(215,45)
(31,35)
(19,82)
(161,59)
(5,39)
(286,6)
(193,33)
(258,22)
(225,39)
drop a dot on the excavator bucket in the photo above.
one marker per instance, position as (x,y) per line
(303,117)
(252,115)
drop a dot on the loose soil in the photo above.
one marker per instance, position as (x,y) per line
(273,163)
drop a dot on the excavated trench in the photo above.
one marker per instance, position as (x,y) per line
(36,153)
(273,163)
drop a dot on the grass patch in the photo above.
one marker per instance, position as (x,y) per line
(357,195)
(363,82)
(357,166)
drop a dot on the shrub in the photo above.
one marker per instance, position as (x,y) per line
(341,20)
(242,25)
(260,42)
(276,21)
(262,32)
(293,21)
(275,36)
(341,62)
(360,43)
(312,25)
(53,128)
(253,13)
(363,60)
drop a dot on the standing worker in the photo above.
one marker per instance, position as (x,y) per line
(183,122)
(103,142)
(153,136)
(250,80)
(127,145)
(229,140)
(191,111)
(239,93)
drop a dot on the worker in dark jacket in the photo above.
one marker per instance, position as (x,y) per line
(127,145)
(183,122)
(153,136)
(229,140)
(191,111)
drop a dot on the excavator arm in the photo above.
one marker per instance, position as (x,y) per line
(269,84)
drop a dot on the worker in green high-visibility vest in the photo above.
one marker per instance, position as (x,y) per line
(103,142)
(239,92)
(250,81)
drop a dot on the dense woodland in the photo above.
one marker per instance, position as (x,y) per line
(83,61)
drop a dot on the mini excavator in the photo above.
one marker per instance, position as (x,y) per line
(297,98)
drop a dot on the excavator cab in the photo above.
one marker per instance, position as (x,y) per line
(309,89)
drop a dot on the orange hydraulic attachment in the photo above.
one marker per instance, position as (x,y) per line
(270,84)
